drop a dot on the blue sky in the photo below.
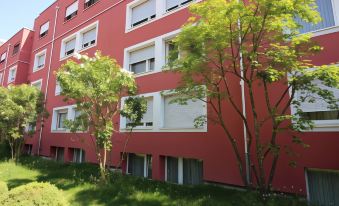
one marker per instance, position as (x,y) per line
(16,14)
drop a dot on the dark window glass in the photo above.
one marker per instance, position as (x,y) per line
(172,169)
(322,115)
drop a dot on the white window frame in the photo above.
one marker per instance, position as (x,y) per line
(58,88)
(75,3)
(78,41)
(70,116)
(46,24)
(10,79)
(123,120)
(83,31)
(3,57)
(145,164)
(36,60)
(159,51)
(158,116)
(160,12)
(320,125)
(33,84)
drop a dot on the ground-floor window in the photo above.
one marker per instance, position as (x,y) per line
(184,170)
(139,165)
(59,154)
(323,187)
(28,149)
(78,155)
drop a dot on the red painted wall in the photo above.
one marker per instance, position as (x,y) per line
(211,147)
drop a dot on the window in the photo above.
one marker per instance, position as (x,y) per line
(16,48)
(28,149)
(1,76)
(174,4)
(147,120)
(89,3)
(325,8)
(172,52)
(39,61)
(142,60)
(58,88)
(37,84)
(61,117)
(184,171)
(139,165)
(143,13)
(12,74)
(89,38)
(59,154)
(69,47)
(71,11)
(318,111)
(78,155)
(44,29)
(3,57)
(79,41)
(181,116)
(30,128)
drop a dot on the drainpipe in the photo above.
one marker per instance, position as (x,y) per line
(48,75)
(6,61)
(243,100)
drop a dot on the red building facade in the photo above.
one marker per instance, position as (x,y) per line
(167,146)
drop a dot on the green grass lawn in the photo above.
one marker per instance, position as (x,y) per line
(79,183)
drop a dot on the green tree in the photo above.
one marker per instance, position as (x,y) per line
(97,86)
(20,106)
(258,44)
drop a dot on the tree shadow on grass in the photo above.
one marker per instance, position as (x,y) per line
(12,183)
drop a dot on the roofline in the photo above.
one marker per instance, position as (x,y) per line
(47,8)
(24,28)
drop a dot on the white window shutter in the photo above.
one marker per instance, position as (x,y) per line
(148,116)
(319,104)
(181,116)
(44,27)
(72,8)
(87,1)
(3,56)
(141,55)
(143,11)
(172,3)
(70,45)
(57,88)
(89,36)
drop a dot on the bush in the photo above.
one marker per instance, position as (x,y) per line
(4,151)
(38,194)
(3,188)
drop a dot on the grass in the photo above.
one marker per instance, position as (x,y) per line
(79,183)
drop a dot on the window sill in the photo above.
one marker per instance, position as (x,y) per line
(325,31)
(38,69)
(325,126)
(65,22)
(89,47)
(66,57)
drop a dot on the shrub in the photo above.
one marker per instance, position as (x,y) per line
(38,194)
(3,188)
(4,151)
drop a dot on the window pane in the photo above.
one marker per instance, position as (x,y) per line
(326,11)
(193,171)
(89,38)
(142,55)
(149,166)
(136,165)
(172,169)
(143,12)
(138,67)
(172,52)
(69,47)
(151,64)
(322,115)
